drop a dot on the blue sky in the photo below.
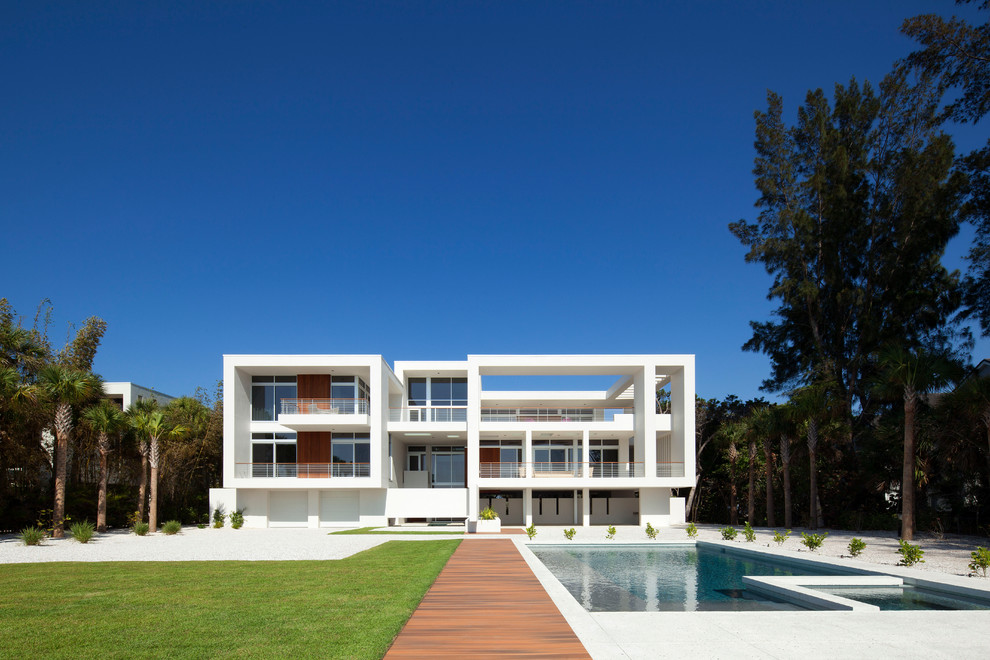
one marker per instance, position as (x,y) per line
(421,180)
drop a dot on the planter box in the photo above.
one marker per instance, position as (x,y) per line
(488,526)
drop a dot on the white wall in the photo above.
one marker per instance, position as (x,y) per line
(614,511)
(426,503)
(550,515)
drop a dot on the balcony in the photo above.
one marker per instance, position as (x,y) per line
(324,414)
(301,470)
(541,469)
(670,469)
(324,406)
(428,414)
(552,414)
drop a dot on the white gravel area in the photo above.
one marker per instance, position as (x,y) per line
(194,544)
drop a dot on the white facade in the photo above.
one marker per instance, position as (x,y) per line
(333,440)
(125,393)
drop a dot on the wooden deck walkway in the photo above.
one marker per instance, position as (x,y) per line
(486,602)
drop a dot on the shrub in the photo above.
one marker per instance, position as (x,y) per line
(237,518)
(651,532)
(692,530)
(219,515)
(749,532)
(910,554)
(487,513)
(780,537)
(729,533)
(201,526)
(133,518)
(610,532)
(569,533)
(45,521)
(531,531)
(856,546)
(981,560)
(172,527)
(82,531)
(813,541)
(32,535)
(140,528)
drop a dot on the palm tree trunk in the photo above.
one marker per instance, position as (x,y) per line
(143,487)
(58,513)
(771,519)
(785,464)
(907,477)
(63,426)
(733,505)
(751,496)
(153,505)
(101,498)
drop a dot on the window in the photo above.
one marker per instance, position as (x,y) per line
(447,467)
(267,393)
(350,454)
(273,454)
(446,397)
(603,455)
(556,456)
(416,458)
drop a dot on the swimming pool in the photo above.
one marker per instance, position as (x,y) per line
(660,578)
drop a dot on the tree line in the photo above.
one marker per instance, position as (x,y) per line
(69,453)
(868,344)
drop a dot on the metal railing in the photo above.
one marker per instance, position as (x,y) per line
(672,469)
(324,406)
(552,414)
(301,470)
(428,414)
(537,469)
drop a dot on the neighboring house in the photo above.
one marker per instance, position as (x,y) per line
(125,393)
(332,440)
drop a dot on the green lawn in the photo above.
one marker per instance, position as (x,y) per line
(350,608)
(375,530)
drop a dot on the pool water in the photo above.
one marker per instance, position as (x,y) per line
(905,598)
(682,578)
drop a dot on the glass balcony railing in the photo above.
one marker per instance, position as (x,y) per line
(428,414)
(301,470)
(324,406)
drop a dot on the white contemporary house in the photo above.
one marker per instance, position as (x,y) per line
(334,440)
(125,393)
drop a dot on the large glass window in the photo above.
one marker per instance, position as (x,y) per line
(273,454)
(267,393)
(447,469)
(446,397)
(603,455)
(556,456)
(350,454)
(352,393)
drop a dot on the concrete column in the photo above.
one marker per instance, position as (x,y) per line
(682,418)
(528,451)
(585,453)
(646,419)
(527,505)
(586,507)
(313,519)
(472,464)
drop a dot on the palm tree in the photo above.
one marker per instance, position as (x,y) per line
(910,374)
(755,424)
(783,428)
(155,427)
(65,388)
(106,419)
(813,404)
(138,415)
(974,396)
(765,419)
(731,433)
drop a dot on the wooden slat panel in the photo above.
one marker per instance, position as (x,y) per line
(486,602)
(313,386)
(313,447)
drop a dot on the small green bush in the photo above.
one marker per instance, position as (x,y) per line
(82,531)
(569,533)
(172,527)
(487,513)
(692,530)
(981,560)
(201,526)
(856,546)
(531,531)
(729,533)
(749,532)
(813,541)
(140,528)
(780,537)
(32,535)
(910,554)
(651,532)
(219,515)
(237,518)
(610,532)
